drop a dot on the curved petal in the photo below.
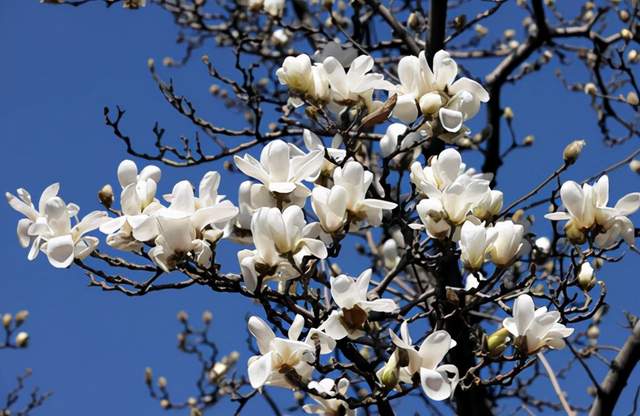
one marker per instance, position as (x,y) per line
(445,69)
(262,333)
(296,328)
(451,120)
(60,251)
(251,167)
(48,193)
(434,348)
(466,84)
(259,370)
(333,326)
(316,247)
(434,384)
(127,172)
(523,313)
(628,204)
(406,108)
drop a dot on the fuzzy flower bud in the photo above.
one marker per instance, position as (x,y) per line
(22,339)
(572,151)
(586,277)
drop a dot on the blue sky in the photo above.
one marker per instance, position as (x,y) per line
(60,66)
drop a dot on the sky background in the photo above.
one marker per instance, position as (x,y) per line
(60,66)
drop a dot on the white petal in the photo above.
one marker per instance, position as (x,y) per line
(451,120)
(333,326)
(296,328)
(60,251)
(628,204)
(127,172)
(434,384)
(262,333)
(259,370)
(406,108)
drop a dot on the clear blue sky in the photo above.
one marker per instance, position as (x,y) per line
(60,66)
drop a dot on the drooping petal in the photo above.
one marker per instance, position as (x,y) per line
(333,326)
(434,384)
(259,370)
(434,348)
(451,120)
(466,84)
(251,167)
(628,204)
(406,108)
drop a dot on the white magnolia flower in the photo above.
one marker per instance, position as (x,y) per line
(442,171)
(313,143)
(356,181)
(489,206)
(24,205)
(278,235)
(303,79)
(460,197)
(436,91)
(351,297)
(474,242)
(280,37)
(176,242)
(48,228)
(506,243)
(282,167)
(434,218)
(330,205)
(355,85)
(137,202)
(533,328)
(438,381)
(280,355)
(329,407)
(587,206)
(389,142)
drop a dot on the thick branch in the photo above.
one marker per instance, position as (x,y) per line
(617,377)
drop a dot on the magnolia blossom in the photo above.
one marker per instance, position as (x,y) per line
(279,236)
(355,85)
(137,202)
(436,92)
(274,7)
(330,205)
(282,167)
(587,206)
(474,242)
(506,243)
(533,328)
(351,297)
(325,406)
(390,253)
(189,224)
(489,206)
(438,381)
(313,143)
(48,229)
(303,79)
(281,355)
(356,181)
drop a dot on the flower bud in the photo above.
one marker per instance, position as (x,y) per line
(390,374)
(590,88)
(105,196)
(21,317)
(497,342)
(162,382)
(633,56)
(593,332)
(586,277)
(6,320)
(572,151)
(634,165)
(481,30)
(623,15)
(509,33)
(183,317)
(22,339)
(165,404)
(207,317)
(148,375)
(632,98)
(528,141)
(626,34)
(430,103)
(507,113)
(414,21)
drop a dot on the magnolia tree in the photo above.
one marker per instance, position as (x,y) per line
(353,143)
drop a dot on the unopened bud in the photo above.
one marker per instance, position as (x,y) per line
(633,56)
(148,375)
(626,34)
(207,316)
(162,382)
(528,141)
(634,165)
(497,342)
(167,61)
(623,15)
(572,151)
(481,30)
(632,98)
(105,196)
(22,339)
(165,404)
(214,89)
(6,320)
(151,63)
(21,317)
(590,88)
(195,412)
(593,332)
(414,21)
(390,374)
(509,33)
(507,113)
(586,277)
(183,317)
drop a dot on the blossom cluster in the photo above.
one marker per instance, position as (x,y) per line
(298,205)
